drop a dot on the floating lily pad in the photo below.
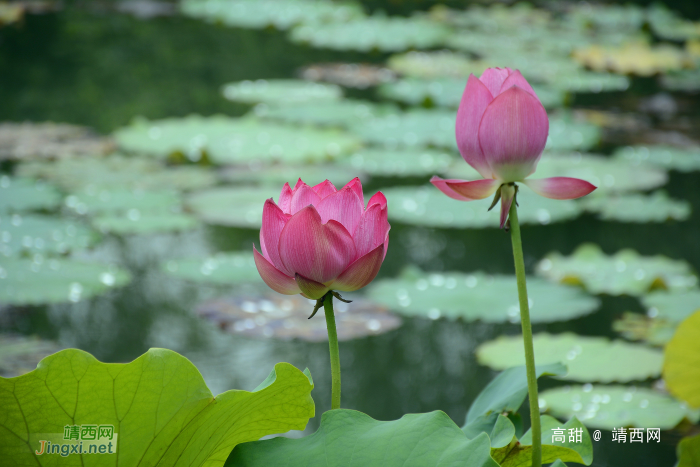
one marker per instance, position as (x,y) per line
(607,17)
(286,317)
(581,354)
(135,221)
(118,171)
(494,17)
(636,327)
(447,92)
(343,113)
(21,194)
(609,407)
(478,296)
(35,141)
(234,207)
(682,361)
(426,205)
(281,91)
(673,307)
(222,269)
(32,234)
(11,13)
(430,65)
(626,272)
(567,133)
(350,75)
(278,175)
(667,157)
(386,34)
(93,201)
(591,82)
(415,128)
(259,14)
(638,208)
(400,163)
(668,25)
(688,451)
(61,280)
(684,81)
(20,354)
(638,58)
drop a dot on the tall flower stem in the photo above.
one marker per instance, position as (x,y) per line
(527,336)
(335,354)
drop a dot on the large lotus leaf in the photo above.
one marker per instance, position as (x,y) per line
(682,361)
(259,14)
(447,92)
(637,327)
(162,411)
(478,296)
(386,34)
(414,128)
(638,58)
(343,113)
(31,234)
(440,64)
(20,354)
(222,268)
(286,317)
(584,356)
(688,451)
(137,222)
(279,174)
(638,208)
(673,307)
(425,205)
(352,439)
(281,91)
(21,194)
(626,272)
(684,81)
(669,25)
(666,157)
(27,282)
(235,207)
(400,162)
(611,406)
(93,200)
(350,75)
(38,141)
(118,171)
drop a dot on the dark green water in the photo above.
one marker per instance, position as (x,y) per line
(102,69)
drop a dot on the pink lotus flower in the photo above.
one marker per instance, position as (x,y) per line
(320,239)
(501,131)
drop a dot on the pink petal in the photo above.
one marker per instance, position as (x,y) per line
(285,198)
(356,186)
(325,188)
(377,198)
(507,195)
(303,196)
(310,288)
(441,184)
(343,206)
(273,222)
(513,133)
(361,272)
(517,79)
(299,183)
(372,230)
(477,189)
(474,101)
(560,187)
(493,78)
(317,251)
(275,279)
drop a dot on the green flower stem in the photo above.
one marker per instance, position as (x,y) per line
(527,336)
(335,354)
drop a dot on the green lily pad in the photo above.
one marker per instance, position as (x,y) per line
(637,327)
(669,25)
(278,175)
(259,14)
(21,194)
(415,128)
(286,317)
(352,439)
(613,406)
(118,171)
(607,17)
(343,113)
(626,272)
(567,133)
(400,163)
(93,201)
(633,58)
(581,354)
(349,75)
(228,140)
(20,354)
(281,91)
(234,207)
(62,280)
(136,222)
(684,81)
(666,157)
(682,361)
(425,205)
(161,411)
(673,307)
(638,208)
(478,296)
(583,81)
(222,269)
(688,451)
(430,65)
(39,141)
(32,234)
(386,34)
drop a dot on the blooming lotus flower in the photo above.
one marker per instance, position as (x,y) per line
(319,239)
(501,131)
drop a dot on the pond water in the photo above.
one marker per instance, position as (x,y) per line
(96,67)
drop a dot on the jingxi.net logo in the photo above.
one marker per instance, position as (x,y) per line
(77,439)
